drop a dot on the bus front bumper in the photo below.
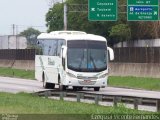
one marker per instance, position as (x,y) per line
(69,81)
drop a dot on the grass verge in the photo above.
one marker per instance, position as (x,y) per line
(135,82)
(22,103)
(10,72)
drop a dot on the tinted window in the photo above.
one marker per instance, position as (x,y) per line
(51,47)
(87,56)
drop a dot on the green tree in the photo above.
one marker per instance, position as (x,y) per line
(54,17)
(115,31)
(120,33)
(76,20)
(31,35)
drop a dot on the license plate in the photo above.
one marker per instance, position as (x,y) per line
(87,81)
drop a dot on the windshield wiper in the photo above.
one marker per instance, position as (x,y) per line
(91,58)
(82,58)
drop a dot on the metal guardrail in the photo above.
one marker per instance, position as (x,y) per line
(103,98)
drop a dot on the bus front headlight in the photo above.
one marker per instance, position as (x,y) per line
(103,76)
(71,75)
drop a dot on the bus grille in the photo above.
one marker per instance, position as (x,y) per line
(87,78)
(87,82)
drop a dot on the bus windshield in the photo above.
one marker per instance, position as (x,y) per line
(87,55)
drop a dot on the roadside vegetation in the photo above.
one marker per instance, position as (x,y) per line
(23,103)
(10,72)
(114,31)
(135,82)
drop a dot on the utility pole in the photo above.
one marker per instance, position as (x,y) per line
(73,8)
(13,27)
(65,16)
(16,29)
(78,8)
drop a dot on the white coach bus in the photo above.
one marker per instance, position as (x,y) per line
(72,58)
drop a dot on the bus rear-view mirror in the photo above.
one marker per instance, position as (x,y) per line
(111,53)
(64,51)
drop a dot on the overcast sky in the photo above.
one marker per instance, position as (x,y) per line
(23,13)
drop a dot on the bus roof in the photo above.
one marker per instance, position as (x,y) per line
(70,35)
(67,32)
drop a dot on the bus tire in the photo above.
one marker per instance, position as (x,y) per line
(62,87)
(52,86)
(45,84)
(75,88)
(96,88)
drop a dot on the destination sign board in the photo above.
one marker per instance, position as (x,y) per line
(102,10)
(143,10)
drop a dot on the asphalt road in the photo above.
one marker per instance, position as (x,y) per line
(15,85)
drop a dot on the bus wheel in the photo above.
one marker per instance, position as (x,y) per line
(75,88)
(96,88)
(80,88)
(45,84)
(62,87)
(52,86)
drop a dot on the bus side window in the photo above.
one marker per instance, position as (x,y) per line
(39,49)
(60,43)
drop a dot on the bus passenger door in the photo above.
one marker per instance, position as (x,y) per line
(52,69)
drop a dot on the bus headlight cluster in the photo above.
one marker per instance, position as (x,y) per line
(71,75)
(103,76)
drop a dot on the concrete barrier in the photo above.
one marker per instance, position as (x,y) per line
(6,63)
(116,69)
(18,64)
(135,69)
(24,64)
